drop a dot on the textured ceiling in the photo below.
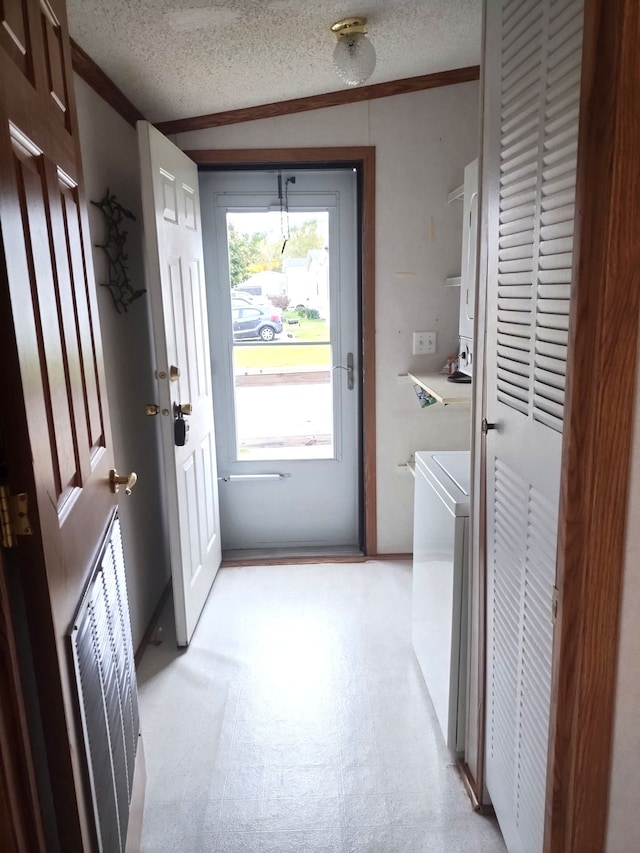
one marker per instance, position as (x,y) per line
(180,58)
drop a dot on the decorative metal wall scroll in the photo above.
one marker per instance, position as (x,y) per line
(119,285)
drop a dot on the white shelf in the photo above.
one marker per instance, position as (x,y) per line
(457,194)
(439,387)
(453,281)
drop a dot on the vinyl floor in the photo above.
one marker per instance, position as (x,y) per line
(298,722)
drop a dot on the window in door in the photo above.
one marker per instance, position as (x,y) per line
(281,341)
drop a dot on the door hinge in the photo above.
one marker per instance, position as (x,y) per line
(14,517)
(555,599)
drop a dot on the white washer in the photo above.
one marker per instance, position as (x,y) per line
(440,557)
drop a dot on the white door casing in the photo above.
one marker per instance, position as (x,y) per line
(316,502)
(532,89)
(177,297)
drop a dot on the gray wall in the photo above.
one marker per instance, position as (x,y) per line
(110,160)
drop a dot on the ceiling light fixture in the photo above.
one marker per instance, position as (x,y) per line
(354,57)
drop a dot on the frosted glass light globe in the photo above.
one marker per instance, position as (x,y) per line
(354,58)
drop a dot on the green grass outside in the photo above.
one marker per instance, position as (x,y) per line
(289,355)
(305,330)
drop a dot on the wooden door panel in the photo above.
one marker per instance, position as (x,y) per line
(179,342)
(200,381)
(14,34)
(46,301)
(73,408)
(188,496)
(55,61)
(92,399)
(170,211)
(206,501)
(178,307)
(60,443)
(190,217)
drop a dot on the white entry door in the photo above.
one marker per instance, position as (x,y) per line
(176,291)
(285,349)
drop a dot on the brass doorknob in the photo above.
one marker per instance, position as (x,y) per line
(127,480)
(152,409)
(182,408)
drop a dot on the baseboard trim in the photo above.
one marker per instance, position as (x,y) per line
(301,561)
(293,561)
(390,557)
(469,782)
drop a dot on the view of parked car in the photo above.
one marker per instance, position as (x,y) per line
(240,297)
(251,322)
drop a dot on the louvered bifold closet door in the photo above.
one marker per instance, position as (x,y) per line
(532,89)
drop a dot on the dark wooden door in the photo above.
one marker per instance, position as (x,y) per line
(53,408)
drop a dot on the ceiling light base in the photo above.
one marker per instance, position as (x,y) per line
(349,25)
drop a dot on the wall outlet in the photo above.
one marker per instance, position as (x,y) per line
(424,343)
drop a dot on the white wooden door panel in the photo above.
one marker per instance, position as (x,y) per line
(532,94)
(179,313)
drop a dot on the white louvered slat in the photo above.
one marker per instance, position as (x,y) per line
(514,335)
(554,365)
(525,13)
(535,696)
(561,106)
(510,521)
(529,291)
(552,378)
(522,318)
(520,126)
(554,336)
(512,353)
(523,574)
(521,252)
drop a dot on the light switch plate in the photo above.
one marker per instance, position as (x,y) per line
(424,343)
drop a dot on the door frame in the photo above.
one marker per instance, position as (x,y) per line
(362,158)
(599,431)
(19,796)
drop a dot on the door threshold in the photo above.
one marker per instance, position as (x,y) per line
(271,556)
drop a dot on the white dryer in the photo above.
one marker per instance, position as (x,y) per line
(440,578)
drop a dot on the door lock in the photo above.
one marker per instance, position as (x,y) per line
(151,409)
(180,426)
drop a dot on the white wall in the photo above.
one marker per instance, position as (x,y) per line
(623,832)
(110,160)
(423,141)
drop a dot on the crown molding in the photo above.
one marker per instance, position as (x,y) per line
(103,85)
(318,102)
